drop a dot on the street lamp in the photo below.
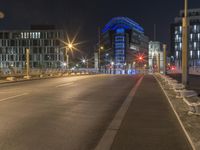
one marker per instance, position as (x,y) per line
(27,63)
(100,48)
(70,45)
(85,61)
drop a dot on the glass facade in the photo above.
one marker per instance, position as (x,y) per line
(193,38)
(122,38)
(45,49)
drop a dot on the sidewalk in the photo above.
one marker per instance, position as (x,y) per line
(150,123)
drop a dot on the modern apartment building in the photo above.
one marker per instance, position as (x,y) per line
(193,38)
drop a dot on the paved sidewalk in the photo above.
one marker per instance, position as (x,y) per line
(150,123)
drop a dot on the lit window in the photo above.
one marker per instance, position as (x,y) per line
(176,54)
(180,28)
(176,38)
(31,35)
(191,37)
(25,35)
(180,46)
(198,53)
(195,45)
(22,35)
(34,35)
(195,28)
(191,53)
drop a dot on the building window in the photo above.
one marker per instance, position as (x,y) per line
(191,54)
(195,28)
(177,54)
(195,45)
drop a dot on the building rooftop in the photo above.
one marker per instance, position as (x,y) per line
(122,22)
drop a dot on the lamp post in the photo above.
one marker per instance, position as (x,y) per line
(99,50)
(158,61)
(27,62)
(68,47)
(185,46)
(164,58)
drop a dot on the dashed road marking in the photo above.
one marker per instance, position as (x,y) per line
(66,84)
(8,98)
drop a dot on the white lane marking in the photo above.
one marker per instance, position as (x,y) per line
(106,141)
(66,84)
(4,99)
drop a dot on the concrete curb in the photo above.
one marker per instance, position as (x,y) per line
(24,80)
(177,116)
(106,141)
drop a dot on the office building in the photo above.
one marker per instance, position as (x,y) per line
(193,39)
(122,40)
(46,50)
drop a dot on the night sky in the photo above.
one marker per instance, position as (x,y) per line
(87,15)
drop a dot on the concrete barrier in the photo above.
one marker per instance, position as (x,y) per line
(190,97)
(27,77)
(11,78)
(193,104)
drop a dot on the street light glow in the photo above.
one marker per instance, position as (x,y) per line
(84,61)
(70,45)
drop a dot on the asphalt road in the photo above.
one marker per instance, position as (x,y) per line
(60,114)
(150,123)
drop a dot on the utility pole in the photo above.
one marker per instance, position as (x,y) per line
(99,49)
(158,62)
(27,62)
(185,46)
(67,59)
(164,59)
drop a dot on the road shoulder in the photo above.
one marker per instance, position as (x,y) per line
(190,123)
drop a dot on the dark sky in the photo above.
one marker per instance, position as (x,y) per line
(89,14)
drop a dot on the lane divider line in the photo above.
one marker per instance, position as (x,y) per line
(107,140)
(4,99)
(176,114)
(66,84)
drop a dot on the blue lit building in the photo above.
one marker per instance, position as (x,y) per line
(122,38)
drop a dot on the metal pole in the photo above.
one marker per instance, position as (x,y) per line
(99,46)
(164,58)
(67,59)
(185,46)
(67,62)
(158,62)
(27,62)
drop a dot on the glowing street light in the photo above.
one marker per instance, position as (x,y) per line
(84,61)
(70,45)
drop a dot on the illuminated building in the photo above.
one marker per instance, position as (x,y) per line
(155,55)
(122,38)
(194,38)
(43,42)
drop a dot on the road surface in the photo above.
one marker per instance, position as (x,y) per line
(73,113)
